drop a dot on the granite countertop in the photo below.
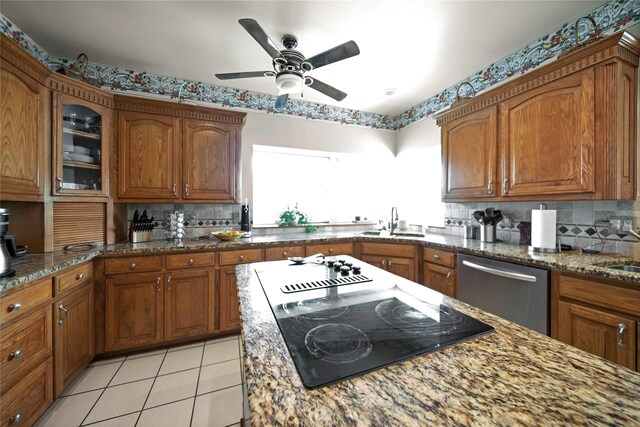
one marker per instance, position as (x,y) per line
(514,376)
(33,266)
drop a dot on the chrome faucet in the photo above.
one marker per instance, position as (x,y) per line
(394,222)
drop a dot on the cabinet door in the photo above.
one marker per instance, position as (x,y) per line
(229,305)
(469,156)
(441,279)
(547,138)
(148,156)
(73,334)
(606,335)
(80,147)
(22,102)
(403,267)
(134,306)
(209,161)
(190,304)
(375,260)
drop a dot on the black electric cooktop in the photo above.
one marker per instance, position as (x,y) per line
(339,323)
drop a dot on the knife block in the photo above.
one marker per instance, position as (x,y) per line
(140,236)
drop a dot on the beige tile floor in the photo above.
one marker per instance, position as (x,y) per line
(198,384)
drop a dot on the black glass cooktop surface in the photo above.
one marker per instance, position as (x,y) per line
(337,332)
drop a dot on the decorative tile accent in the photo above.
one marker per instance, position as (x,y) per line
(611,17)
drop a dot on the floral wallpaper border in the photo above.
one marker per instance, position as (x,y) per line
(610,17)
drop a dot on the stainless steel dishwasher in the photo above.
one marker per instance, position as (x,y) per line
(515,292)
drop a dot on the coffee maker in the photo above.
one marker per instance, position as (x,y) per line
(5,259)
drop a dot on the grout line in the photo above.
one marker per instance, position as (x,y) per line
(221,361)
(112,418)
(101,394)
(169,403)
(195,397)
(142,355)
(151,388)
(220,389)
(224,339)
(93,389)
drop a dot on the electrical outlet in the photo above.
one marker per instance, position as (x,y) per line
(614,225)
(627,225)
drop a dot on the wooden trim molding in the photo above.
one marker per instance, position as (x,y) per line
(81,90)
(13,53)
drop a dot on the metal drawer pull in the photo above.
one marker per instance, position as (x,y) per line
(436,256)
(330,250)
(15,306)
(490,188)
(62,311)
(169,283)
(389,262)
(15,355)
(132,266)
(284,254)
(60,184)
(175,190)
(505,188)
(383,262)
(186,190)
(241,257)
(190,261)
(16,418)
(448,275)
(509,274)
(158,284)
(80,276)
(621,328)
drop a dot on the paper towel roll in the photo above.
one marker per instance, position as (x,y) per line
(543,228)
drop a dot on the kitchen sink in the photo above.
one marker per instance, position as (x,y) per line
(625,267)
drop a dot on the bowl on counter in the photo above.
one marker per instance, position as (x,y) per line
(228,235)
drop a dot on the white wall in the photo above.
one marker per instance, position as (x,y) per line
(419,173)
(375,148)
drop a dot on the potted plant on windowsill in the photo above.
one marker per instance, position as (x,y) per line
(290,217)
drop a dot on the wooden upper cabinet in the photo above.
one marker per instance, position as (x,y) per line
(148,156)
(469,156)
(547,138)
(22,128)
(209,161)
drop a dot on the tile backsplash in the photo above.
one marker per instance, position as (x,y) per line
(577,222)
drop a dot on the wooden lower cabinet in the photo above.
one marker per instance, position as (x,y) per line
(134,310)
(189,304)
(229,306)
(440,278)
(598,332)
(73,336)
(403,267)
(28,399)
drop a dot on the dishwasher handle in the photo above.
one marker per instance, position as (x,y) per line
(509,274)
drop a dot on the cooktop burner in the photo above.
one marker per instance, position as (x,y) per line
(340,332)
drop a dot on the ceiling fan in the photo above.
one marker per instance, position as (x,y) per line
(290,66)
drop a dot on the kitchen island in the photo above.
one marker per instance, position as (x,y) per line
(513,376)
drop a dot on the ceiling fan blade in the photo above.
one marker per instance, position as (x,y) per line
(244,75)
(256,31)
(282,101)
(330,91)
(338,53)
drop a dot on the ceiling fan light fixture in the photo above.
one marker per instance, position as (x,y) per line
(289,83)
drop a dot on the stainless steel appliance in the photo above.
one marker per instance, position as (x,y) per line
(5,259)
(515,292)
(340,319)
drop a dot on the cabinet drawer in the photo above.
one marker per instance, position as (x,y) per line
(330,249)
(283,252)
(240,257)
(600,294)
(438,256)
(24,344)
(131,264)
(405,251)
(73,277)
(23,300)
(190,260)
(27,400)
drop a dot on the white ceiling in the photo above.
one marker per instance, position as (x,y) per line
(417,47)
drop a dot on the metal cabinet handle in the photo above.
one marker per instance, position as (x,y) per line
(186,190)
(436,256)
(15,306)
(505,186)
(15,354)
(190,261)
(490,187)
(158,284)
(132,266)
(62,311)
(175,189)
(621,328)
(383,262)
(503,273)
(449,274)
(330,250)
(59,185)
(80,276)
(284,254)
(16,418)
(241,257)
(389,263)
(169,283)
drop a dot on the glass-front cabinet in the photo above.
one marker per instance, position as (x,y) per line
(80,147)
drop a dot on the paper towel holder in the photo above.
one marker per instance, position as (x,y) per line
(532,249)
